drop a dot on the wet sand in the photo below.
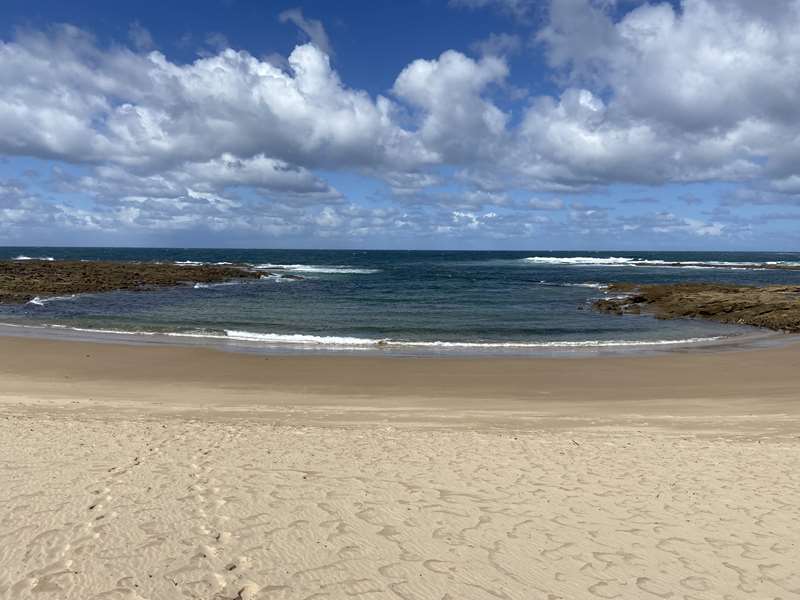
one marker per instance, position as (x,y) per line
(171,472)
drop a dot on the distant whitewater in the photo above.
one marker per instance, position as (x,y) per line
(618,261)
(408,302)
(23,257)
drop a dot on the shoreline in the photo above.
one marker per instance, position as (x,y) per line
(198,380)
(286,344)
(720,321)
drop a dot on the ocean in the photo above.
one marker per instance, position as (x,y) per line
(417,302)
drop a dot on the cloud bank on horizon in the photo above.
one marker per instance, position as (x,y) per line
(662,125)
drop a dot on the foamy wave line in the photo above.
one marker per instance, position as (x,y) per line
(23,257)
(579,260)
(354,342)
(300,339)
(588,284)
(203,286)
(278,278)
(39,301)
(297,338)
(295,268)
(333,269)
(620,261)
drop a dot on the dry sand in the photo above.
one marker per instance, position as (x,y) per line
(163,473)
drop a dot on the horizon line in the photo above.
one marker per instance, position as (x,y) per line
(317,249)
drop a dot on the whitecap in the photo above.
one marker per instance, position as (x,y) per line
(328,269)
(203,286)
(579,260)
(620,261)
(278,278)
(39,301)
(588,284)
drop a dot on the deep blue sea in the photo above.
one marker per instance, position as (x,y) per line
(394,300)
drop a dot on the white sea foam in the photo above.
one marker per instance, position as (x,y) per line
(108,331)
(203,286)
(332,269)
(313,340)
(200,263)
(594,286)
(39,301)
(619,261)
(580,260)
(23,257)
(588,284)
(303,340)
(560,344)
(278,278)
(278,338)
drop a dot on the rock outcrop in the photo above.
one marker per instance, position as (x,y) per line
(21,281)
(772,307)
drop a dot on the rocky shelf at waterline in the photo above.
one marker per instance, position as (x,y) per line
(21,282)
(771,307)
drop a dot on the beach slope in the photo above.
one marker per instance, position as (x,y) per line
(160,473)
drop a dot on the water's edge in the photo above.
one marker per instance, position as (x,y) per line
(754,340)
(392,303)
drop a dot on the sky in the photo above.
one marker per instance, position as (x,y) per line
(423,124)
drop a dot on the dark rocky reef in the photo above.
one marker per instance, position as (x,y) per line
(772,307)
(21,281)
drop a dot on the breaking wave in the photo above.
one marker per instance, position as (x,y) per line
(39,301)
(204,286)
(332,269)
(588,284)
(620,261)
(276,338)
(23,257)
(346,342)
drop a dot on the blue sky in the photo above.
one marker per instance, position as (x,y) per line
(463,124)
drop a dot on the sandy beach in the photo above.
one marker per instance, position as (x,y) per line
(148,472)
(410,300)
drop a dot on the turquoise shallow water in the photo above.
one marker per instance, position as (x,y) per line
(443,301)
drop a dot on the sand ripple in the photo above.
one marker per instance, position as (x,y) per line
(146,509)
